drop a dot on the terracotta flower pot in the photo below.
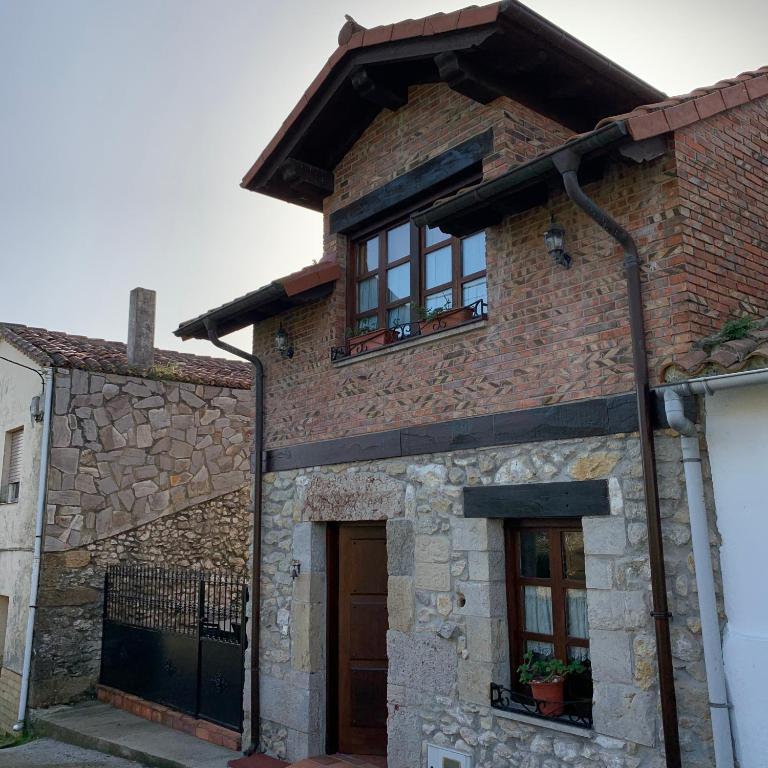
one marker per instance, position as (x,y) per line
(448,319)
(369,341)
(549,696)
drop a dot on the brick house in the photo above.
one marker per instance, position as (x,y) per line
(143,463)
(464,461)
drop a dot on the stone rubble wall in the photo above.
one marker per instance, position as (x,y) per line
(212,535)
(128,450)
(447,637)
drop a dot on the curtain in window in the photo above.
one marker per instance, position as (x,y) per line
(538,610)
(577,613)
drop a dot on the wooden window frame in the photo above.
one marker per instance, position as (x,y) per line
(557,582)
(417,258)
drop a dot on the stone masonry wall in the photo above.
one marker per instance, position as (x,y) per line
(213,535)
(128,450)
(442,654)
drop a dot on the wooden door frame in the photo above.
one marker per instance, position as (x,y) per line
(332,628)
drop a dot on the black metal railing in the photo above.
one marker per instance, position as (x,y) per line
(178,600)
(401,332)
(576,712)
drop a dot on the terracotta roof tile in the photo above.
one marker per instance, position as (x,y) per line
(716,355)
(68,351)
(649,120)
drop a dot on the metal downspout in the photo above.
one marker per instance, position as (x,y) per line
(705,580)
(258,471)
(567,163)
(42,483)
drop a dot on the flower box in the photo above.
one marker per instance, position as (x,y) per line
(449,318)
(370,341)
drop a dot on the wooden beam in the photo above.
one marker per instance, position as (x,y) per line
(371,90)
(415,184)
(584,498)
(468,78)
(296,174)
(598,416)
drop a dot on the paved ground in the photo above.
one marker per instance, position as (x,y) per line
(48,753)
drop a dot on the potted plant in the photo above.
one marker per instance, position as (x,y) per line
(546,676)
(443,318)
(361,340)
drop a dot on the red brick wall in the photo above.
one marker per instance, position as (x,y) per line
(723,177)
(552,335)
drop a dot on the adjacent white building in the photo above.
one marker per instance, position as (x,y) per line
(21,404)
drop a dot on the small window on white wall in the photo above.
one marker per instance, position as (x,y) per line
(11,485)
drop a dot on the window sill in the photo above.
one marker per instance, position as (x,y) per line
(542,722)
(414,341)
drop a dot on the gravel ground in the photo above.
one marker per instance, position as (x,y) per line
(48,753)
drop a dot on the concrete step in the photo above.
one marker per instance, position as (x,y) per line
(98,726)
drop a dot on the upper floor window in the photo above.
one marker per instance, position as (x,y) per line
(404,272)
(11,477)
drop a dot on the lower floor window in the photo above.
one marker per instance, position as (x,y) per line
(547,613)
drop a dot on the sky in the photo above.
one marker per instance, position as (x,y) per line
(126,127)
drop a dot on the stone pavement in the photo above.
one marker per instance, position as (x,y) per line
(48,753)
(342,761)
(98,726)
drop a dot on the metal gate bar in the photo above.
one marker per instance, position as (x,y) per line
(177,637)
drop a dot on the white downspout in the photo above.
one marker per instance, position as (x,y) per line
(39,527)
(705,581)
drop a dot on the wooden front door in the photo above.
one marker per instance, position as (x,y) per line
(362,639)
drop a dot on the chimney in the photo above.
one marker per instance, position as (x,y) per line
(141,328)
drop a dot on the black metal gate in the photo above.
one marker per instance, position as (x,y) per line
(176,637)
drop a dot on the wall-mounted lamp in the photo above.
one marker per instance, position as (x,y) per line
(283,342)
(554,240)
(295,569)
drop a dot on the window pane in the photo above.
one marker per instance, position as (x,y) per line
(576,652)
(537,603)
(441,300)
(401,314)
(398,242)
(434,235)
(368,255)
(473,291)
(534,554)
(365,324)
(573,555)
(368,294)
(398,283)
(538,648)
(577,613)
(473,254)
(439,267)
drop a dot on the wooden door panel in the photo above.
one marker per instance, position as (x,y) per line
(362,633)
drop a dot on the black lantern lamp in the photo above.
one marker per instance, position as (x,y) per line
(283,343)
(554,240)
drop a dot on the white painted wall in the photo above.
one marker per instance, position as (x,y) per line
(17,521)
(737,436)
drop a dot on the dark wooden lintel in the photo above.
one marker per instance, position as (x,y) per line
(377,93)
(296,173)
(468,78)
(580,498)
(566,421)
(407,190)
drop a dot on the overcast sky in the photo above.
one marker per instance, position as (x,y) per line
(125,128)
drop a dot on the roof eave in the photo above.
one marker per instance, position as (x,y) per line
(489,202)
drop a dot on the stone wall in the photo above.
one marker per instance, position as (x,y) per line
(128,450)
(211,535)
(447,637)
(10,689)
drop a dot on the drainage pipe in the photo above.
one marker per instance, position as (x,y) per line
(567,163)
(705,580)
(258,471)
(42,477)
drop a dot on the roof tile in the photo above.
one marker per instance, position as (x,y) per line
(378,35)
(757,87)
(408,28)
(443,22)
(709,105)
(682,115)
(735,95)
(68,351)
(650,124)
